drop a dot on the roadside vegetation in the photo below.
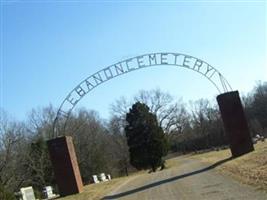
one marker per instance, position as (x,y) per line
(101,145)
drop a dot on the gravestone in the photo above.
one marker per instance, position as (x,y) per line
(235,123)
(48,192)
(65,165)
(95,179)
(103,177)
(27,193)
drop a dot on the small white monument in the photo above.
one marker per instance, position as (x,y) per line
(27,193)
(109,177)
(103,177)
(48,192)
(95,179)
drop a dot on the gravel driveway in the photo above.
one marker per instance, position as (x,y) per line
(190,180)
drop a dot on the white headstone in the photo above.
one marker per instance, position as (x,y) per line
(27,193)
(95,179)
(103,177)
(109,177)
(48,192)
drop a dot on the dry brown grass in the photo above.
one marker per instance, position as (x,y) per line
(99,190)
(249,169)
(96,191)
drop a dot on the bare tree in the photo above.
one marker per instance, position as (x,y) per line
(161,104)
(40,121)
(92,143)
(256,109)
(119,145)
(12,153)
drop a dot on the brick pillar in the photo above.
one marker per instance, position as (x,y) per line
(235,123)
(66,169)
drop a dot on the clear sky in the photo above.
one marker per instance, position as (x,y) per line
(48,47)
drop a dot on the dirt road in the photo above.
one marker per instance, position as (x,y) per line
(190,180)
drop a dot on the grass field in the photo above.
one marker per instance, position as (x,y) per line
(250,169)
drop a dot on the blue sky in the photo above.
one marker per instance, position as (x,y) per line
(47,48)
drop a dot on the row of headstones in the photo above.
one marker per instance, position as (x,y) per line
(102,177)
(258,138)
(27,193)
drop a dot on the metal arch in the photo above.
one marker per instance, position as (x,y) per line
(132,64)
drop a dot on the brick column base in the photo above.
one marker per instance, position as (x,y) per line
(66,169)
(235,123)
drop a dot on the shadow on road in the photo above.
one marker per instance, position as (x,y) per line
(145,187)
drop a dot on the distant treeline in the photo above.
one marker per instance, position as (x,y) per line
(101,144)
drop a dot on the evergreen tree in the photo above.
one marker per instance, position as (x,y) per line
(145,138)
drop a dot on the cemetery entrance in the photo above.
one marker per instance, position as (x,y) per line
(62,151)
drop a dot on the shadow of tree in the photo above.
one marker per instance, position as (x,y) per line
(148,186)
